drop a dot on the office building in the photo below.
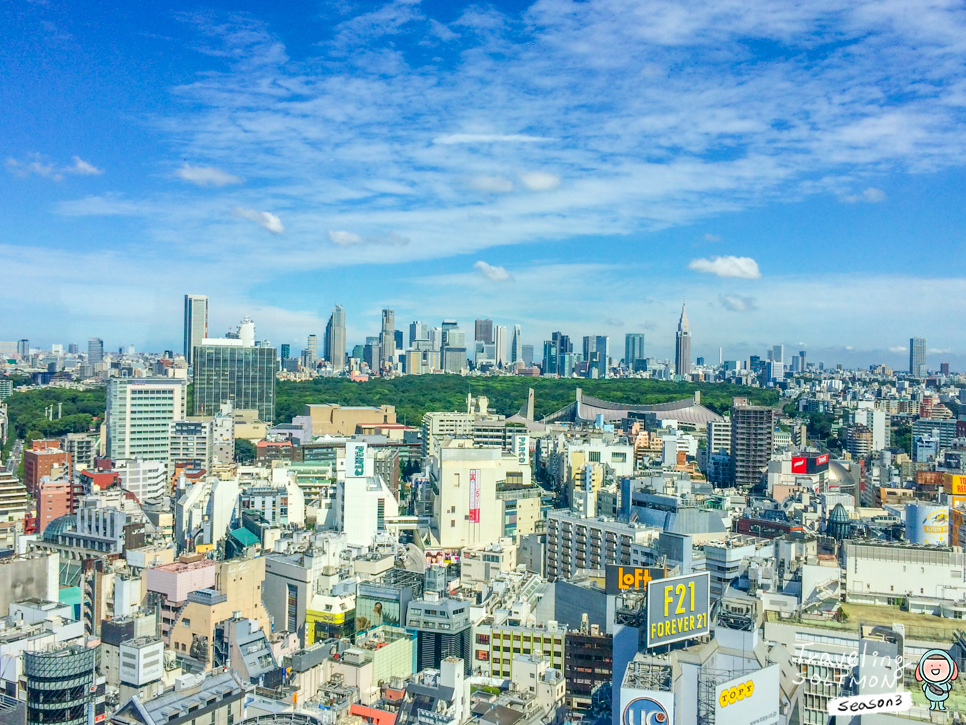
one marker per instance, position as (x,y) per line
(312,348)
(454,348)
(500,344)
(752,431)
(45,459)
(335,338)
(417,331)
(145,479)
(564,347)
(82,448)
(60,685)
(596,355)
(633,349)
(917,357)
(516,345)
(577,543)
(95,351)
(23,348)
(443,629)
(235,370)
(195,323)
(483,331)
(527,352)
(387,339)
(549,357)
(285,351)
(363,500)
(484,494)
(139,414)
(682,349)
(15,502)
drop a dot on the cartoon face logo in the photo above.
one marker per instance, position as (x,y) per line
(645,711)
(937,671)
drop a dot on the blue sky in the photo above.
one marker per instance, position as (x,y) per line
(794,170)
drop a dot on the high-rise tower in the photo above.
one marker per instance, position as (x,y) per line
(682,352)
(387,339)
(917,357)
(195,323)
(335,338)
(516,345)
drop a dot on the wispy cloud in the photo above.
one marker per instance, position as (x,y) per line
(206,176)
(870,195)
(743,267)
(712,238)
(486,138)
(83,168)
(898,348)
(540,181)
(351,239)
(492,184)
(491,272)
(264,219)
(737,303)
(37,165)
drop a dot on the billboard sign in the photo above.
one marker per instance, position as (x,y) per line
(474,496)
(442,557)
(521,447)
(355,460)
(646,707)
(927,525)
(954,484)
(620,579)
(678,608)
(752,698)
(810,464)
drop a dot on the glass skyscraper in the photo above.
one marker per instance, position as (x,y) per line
(243,375)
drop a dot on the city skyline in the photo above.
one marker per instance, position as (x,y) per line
(755,208)
(898,357)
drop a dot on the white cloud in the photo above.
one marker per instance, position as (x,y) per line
(206,176)
(712,238)
(870,195)
(492,184)
(344,239)
(492,273)
(737,303)
(938,351)
(83,168)
(473,138)
(898,348)
(540,181)
(33,166)
(743,267)
(351,239)
(264,219)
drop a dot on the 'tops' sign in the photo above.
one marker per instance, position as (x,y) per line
(677,608)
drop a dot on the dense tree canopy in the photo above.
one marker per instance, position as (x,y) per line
(414,395)
(78,410)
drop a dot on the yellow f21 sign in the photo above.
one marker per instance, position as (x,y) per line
(677,608)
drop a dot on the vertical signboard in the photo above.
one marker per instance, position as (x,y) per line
(474,496)
(355,460)
(521,446)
